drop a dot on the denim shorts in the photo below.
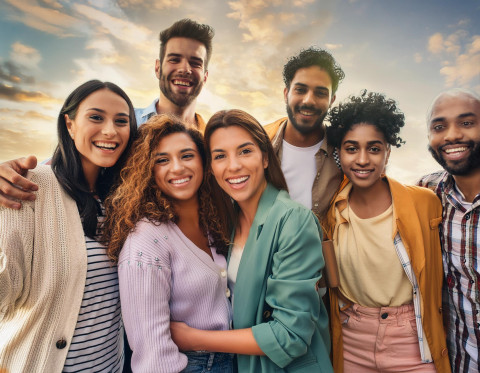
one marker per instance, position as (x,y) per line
(214,362)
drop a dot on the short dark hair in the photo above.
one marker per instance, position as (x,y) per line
(371,108)
(313,57)
(187,28)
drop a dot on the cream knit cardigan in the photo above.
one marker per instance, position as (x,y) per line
(43,265)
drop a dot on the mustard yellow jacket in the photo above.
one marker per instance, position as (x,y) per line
(418,213)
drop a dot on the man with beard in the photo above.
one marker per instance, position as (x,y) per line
(185,50)
(454,141)
(311,80)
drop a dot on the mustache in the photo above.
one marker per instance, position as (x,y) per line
(309,108)
(470,144)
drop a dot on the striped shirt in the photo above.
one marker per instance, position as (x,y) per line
(97,343)
(460,235)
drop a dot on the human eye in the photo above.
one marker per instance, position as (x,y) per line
(196,63)
(245,151)
(437,127)
(174,59)
(188,156)
(218,156)
(300,90)
(122,122)
(375,149)
(96,117)
(350,149)
(466,123)
(321,93)
(161,160)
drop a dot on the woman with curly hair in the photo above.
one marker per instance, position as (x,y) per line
(386,312)
(275,260)
(167,237)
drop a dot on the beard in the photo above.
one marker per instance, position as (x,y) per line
(179,99)
(305,130)
(462,167)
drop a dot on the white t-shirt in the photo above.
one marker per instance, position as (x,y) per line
(299,168)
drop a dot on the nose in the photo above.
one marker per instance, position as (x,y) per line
(308,98)
(362,158)
(109,129)
(234,164)
(453,133)
(177,165)
(185,66)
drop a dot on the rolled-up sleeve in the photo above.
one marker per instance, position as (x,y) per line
(291,289)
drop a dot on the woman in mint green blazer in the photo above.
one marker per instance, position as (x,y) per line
(275,259)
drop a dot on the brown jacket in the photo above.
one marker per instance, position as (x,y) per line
(418,214)
(328,176)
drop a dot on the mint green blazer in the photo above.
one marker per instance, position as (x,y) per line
(275,291)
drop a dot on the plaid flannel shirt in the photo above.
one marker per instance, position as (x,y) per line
(460,236)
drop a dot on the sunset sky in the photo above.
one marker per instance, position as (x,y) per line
(408,49)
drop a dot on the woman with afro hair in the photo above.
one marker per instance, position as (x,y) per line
(386,313)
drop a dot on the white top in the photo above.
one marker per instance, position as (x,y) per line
(300,169)
(233,264)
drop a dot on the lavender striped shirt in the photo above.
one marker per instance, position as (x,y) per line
(164,276)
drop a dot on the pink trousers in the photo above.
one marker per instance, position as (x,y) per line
(381,340)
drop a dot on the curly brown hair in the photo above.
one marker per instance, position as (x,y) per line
(138,196)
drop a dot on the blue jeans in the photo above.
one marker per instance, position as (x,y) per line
(214,362)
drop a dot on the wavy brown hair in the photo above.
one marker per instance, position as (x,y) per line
(273,172)
(138,196)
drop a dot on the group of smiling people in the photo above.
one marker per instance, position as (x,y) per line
(192,244)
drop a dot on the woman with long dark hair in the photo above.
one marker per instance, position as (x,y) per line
(168,240)
(59,301)
(275,258)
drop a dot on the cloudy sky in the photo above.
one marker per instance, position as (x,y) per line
(410,50)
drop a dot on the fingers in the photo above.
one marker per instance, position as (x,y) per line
(15,186)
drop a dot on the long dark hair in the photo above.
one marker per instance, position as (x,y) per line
(273,172)
(66,160)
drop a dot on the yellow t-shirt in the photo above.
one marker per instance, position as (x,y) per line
(371,274)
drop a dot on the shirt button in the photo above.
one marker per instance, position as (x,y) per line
(227,293)
(316,204)
(223,273)
(467,217)
(61,343)
(384,315)
(472,281)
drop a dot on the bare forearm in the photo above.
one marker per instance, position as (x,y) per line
(240,341)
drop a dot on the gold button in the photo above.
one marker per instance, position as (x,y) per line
(227,293)
(223,273)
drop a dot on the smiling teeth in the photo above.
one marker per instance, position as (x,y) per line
(238,180)
(105,145)
(180,181)
(362,172)
(306,112)
(180,82)
(455,150)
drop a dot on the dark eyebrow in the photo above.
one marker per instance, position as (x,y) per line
(103,112)
(238,147)
(373,142)
(322,88)
(181,151)
(460,116)
(181,55)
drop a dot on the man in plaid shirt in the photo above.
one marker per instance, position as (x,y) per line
(454,141)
